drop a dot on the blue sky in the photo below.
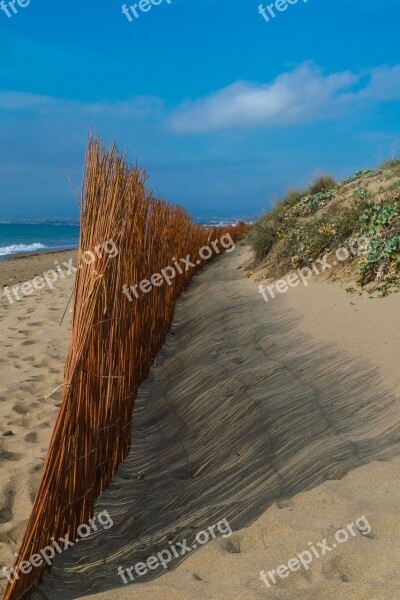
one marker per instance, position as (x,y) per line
(224,110)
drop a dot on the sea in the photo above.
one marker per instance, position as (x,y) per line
(33,237)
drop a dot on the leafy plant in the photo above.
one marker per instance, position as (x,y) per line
(308,205)
(382,260)
(362,193)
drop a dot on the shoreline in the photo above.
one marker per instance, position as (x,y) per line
(19,255)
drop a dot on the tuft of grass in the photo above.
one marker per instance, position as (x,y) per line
(392,166)
(391,163)
(269,228)
(293,197)
(321,185)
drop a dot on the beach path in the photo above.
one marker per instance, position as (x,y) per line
(251,417)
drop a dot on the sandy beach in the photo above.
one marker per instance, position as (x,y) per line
(24,267)
(31,365)
(281,418)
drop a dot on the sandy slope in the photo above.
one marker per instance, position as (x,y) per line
(272,416)
(365,327)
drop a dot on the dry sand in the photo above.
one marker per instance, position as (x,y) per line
(27,266)
(31,366)
(281,417)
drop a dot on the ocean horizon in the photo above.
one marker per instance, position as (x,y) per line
(39,236)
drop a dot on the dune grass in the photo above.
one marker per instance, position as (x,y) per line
(305,224)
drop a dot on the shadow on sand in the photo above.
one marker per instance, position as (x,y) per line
(240,411)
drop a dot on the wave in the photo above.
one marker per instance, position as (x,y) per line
(4,250)
(220,221)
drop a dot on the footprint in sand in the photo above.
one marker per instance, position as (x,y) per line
(20,409)
(9,456)
(9,535)
(7,503)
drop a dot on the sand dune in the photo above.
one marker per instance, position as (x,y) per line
(251,416)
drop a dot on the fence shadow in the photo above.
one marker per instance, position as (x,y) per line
(240,410)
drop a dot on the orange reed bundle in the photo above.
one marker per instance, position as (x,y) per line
(113,345)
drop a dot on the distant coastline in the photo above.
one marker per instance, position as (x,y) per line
(27,237)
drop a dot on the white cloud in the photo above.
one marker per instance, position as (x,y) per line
(136,108)
(305,94)
(22,100)
(384,84)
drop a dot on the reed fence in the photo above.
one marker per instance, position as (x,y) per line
(113,344)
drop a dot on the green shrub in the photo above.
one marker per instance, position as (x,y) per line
(359,174)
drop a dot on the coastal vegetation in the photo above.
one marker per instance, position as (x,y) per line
(312,222)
